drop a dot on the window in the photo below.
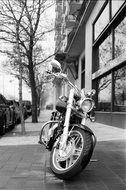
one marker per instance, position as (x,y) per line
(120,89)
(116,4)
(83,73)
(120,38)
(105,52)
(104,93)
(101,22)
(111,44)
(107,13)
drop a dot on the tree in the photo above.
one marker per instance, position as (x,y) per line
(30,36)
(17,22)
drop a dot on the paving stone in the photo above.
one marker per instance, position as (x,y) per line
(3,181)
(25,165)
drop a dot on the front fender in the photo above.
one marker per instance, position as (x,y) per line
(84,127)
(87,129)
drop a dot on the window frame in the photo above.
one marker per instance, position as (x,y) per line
(112,85)
(110,28)
(105,33)
(112,20)
(83,73)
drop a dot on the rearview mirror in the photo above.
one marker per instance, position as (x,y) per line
(56,66)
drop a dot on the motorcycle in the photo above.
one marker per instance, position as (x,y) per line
(70,141)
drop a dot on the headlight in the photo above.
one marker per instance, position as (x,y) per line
(87,105)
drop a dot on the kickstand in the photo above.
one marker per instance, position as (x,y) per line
(93,160)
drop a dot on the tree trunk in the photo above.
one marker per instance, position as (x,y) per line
(34,106)
(34,95)
(20,80)
(32,77)
(20,102)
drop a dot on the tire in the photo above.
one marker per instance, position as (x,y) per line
(3,128)
(13,124)
(76,159)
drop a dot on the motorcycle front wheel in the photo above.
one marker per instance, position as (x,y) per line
(69,162)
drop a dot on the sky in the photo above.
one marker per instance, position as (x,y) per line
(9,85)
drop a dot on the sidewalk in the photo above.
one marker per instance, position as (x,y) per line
(24,164)
(15,137)
(102,132)
(106,132)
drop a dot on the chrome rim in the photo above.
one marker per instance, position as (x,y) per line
(44,135)
(64,159)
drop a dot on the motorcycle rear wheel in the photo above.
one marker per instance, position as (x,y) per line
(66,164)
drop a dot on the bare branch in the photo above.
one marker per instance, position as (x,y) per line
(38,17)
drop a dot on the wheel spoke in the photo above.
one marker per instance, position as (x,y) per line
(67,163)
(77,139)
(71,160)
(71,154)
(77,151)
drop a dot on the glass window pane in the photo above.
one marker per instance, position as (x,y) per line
(102,21)
(83,64)
(120,90)
(104,93)
(83,80)
(116,4)
(105,52)
(83,73)
(120,38)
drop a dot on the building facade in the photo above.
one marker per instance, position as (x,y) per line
(96,57)
(65,23)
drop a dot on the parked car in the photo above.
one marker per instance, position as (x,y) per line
(15,106)
(49,107)
(7,115)
(28,108)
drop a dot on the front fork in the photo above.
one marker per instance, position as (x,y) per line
(67,120)
(83,122)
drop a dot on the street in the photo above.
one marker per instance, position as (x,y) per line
(24,164)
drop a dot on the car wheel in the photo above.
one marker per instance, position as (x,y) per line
(13,124)
(3,128)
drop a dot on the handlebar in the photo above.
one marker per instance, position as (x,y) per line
(65,78)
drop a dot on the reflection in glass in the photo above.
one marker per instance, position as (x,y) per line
(105,52)
(83,73)
(116,6)
(104,93)
(120,90)
(120,38)
(102,21)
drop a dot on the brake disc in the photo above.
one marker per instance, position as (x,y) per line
(63,155)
